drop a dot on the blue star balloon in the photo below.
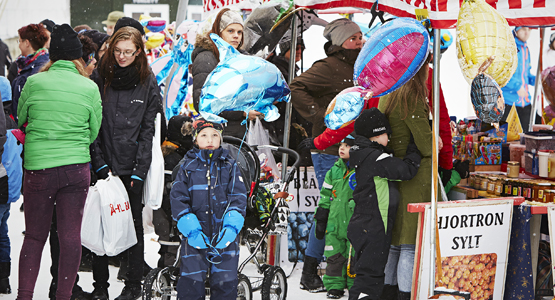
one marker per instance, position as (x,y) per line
(241,83)
(345,108)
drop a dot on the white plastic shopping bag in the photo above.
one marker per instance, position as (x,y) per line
(117,220)
(257,135)
(153,191)
(91,226)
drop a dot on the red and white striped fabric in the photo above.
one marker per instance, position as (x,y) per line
(444,13)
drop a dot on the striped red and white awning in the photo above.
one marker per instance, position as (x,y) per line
(443,13)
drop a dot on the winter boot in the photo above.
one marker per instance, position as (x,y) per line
(389,292)
(100,292)
(403,296)
(130,292)
(5,278)
(310,280)
(77,293)
(335,294)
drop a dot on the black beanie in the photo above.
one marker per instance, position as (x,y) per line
(200,124)
(98,37)
(65,44)
(127,21)
(349,140)
(48,24)
(371,123)
(180,131)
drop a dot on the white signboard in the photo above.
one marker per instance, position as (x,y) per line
(306,199)
(474,242)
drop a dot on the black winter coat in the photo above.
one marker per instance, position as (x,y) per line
(124,142)
(205,62)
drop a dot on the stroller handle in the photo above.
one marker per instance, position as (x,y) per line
(289,176)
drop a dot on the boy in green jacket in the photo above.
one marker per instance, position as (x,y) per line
(332,217)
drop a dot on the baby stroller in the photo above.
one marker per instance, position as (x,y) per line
(267,213)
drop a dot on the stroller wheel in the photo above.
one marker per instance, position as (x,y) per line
(274,284)
(244,288)
(161,284)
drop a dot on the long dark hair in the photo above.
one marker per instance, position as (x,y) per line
(216,29)
(108,62)
(412,92)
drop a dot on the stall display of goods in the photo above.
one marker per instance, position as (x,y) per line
(474,274)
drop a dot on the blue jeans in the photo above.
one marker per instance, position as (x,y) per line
(4,238)
(398,270)
(322,164)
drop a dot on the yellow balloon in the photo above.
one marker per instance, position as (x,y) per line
(483,32)
(154,40)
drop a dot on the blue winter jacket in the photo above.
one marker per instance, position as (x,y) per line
(192,192)
(522,77)
(21,79)
(11,159)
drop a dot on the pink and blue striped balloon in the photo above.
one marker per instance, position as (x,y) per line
(392,55)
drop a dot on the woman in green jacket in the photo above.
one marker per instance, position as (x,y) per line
(63,110)
(408,113)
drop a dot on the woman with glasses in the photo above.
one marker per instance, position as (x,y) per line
(32,41)
(130,100)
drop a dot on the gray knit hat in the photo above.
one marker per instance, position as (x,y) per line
(230,17)
(286,46)
(338,31)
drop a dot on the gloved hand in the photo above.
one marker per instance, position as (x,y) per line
(231,225)
(445,175)
(462,167)
(411,148)
(321,217)
(102,173)
(307,143)
(189,226)
(136,184)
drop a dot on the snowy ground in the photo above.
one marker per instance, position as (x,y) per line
(16,225)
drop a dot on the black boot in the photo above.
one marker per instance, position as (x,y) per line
(100,292)
(389,292)
(5,278)
(403,296)
(335,294)
(130,292)
(310,280)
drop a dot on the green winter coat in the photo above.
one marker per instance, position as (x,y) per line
(336,194)
(64,112)
(418,189)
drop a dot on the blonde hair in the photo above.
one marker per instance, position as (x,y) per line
(79,64)
(409,94)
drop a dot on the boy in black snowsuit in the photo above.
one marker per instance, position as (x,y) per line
(376,199)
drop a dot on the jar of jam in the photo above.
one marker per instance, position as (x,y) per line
(477,181)
(527,190)
(491,185)
(513,168)
(542,188)
(471,180)
(508,188)
(484,183)
(548,196)
(517,189)
(499,187)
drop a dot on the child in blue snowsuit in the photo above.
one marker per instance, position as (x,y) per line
(208,200)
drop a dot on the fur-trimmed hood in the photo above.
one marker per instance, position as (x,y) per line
(202,43)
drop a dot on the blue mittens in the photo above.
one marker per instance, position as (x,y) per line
(189,226)
(232,224)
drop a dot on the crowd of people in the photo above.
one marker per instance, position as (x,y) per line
(80,105)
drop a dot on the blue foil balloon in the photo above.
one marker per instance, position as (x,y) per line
(391,56)
(345,108)
(241,83)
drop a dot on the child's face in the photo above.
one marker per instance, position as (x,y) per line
(381,139)
(344,150)
(208,138)
(523,34)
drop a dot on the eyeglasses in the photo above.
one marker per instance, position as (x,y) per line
(127,53)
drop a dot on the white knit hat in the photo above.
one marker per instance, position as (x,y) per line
(230,17)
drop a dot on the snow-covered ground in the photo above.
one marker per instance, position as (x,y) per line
(16,224)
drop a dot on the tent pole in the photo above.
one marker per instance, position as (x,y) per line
(538,80)
(435,147)
(292,65)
